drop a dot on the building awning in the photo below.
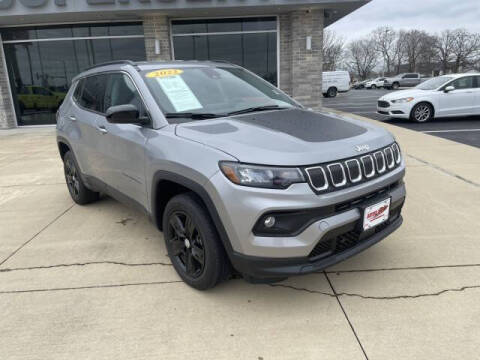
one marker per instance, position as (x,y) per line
(25,12)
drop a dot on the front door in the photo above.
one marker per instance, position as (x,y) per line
(123,145)
(459,101)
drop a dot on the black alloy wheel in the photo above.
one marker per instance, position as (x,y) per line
(186,244)
(71,176)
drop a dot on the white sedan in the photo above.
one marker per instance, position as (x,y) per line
(443,96)
(375,83)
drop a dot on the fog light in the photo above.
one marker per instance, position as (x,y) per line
(269,222)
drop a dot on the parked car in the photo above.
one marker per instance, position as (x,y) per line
(443,96)
(334,82)
(360,84)
(375,83)
(403,80)
(238,176)
(37,97)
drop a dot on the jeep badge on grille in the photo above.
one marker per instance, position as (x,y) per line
(361,148)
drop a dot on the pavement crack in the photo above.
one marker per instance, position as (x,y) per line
(90,287)
(34,236)
(366,297)
(404,268)
(436,167)
(84,264)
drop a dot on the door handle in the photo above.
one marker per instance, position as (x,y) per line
(72,117)
(102,130)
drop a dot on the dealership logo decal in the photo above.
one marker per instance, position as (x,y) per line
(361,148)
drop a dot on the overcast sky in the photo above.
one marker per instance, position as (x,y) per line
(429,15)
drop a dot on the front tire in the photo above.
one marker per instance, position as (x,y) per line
(421,113)
(374,87)
(193,244)
(77,189)
(395,86)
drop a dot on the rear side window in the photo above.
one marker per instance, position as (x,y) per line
(93,93)
(78,90)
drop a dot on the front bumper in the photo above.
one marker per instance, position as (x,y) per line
(239,209)
(265,268)
(401,110)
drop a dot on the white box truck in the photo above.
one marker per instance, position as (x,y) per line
(334,82)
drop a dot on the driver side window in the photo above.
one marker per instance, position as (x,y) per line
(121,91)
(462,83)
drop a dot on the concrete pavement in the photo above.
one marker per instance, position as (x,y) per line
(95,281)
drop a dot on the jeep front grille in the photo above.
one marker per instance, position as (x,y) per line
(349,172)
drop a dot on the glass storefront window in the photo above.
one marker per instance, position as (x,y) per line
(248,42)
(41,72)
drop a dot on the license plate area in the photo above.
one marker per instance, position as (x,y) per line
(376,214)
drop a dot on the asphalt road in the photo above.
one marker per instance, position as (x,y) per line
(465,130)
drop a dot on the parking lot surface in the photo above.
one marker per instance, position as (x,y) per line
(465,130)
(94,282)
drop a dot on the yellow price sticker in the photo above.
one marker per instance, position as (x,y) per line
(164,73)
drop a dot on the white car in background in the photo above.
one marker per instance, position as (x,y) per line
(375,83)
(443,96)
(334,82)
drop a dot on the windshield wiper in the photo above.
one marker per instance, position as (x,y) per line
(190,115)
(258,108)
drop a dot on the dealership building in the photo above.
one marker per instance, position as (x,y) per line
(46,43)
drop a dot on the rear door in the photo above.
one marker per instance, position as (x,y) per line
(410,80)
(123,145)
(459,101)
(84,114)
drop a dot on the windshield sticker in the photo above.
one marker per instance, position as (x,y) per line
(179,94)
(164,73)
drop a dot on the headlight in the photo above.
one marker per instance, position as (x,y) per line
(261,176)
(402,100)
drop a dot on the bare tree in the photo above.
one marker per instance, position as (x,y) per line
(416,43)
(466,46)
(362,57)
(333,49)
(399,51)
(444,46)
(386,45)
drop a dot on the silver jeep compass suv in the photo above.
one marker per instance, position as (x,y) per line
(240,178)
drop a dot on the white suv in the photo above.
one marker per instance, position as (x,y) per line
(443,96)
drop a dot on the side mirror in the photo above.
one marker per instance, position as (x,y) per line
(123,114)
(449,88)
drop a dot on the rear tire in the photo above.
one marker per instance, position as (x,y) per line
(332,92)
(422,112)
(78,191)
(193,243)
(374,86)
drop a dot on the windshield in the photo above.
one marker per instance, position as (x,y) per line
(434,83)
(211,91)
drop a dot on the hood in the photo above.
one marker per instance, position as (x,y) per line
(286,137)
(405,93)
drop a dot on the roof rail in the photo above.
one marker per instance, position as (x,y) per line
(224,62)
(116,62)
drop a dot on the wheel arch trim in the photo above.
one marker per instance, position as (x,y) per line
(200,191)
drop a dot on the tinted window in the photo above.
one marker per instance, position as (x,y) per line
(463,83)
(477,81)
(411,76)
(121,91)
(93,93)
(78,90)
